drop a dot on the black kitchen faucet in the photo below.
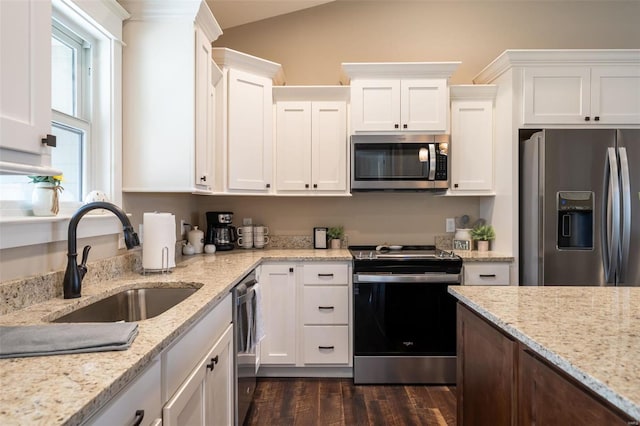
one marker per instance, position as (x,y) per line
(72,283)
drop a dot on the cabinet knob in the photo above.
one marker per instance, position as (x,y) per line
(396,126)
(213,363)
(587,119)
(306,185)
(455,185)
(315,185)
(50,140)
(290,269)
(404,126)
(268,185)
(203,178)
(596,118)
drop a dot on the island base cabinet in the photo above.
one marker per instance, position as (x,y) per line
(501,381)
(546,397)
(485,373)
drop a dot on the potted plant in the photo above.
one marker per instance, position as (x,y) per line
(335,234)
(483,234)
(45,195)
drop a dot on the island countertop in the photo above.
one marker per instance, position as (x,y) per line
(67,389)
(591,333)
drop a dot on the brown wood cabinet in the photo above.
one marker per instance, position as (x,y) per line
(502,382)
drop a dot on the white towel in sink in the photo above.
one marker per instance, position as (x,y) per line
(56,339)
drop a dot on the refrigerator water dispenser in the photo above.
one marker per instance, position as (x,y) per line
(575,220)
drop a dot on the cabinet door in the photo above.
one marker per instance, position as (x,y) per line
(472,145)
(486,372)
(375,105)
(204,115)
(25,75)
(548,398)
(278,284)
(139,400)
(329,146)
(249,132)
(202,392)
(424,105)
(615,95)
(293,146)
(219,406)
(555,95)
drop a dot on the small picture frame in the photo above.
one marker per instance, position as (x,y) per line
(320,237)
(461,245)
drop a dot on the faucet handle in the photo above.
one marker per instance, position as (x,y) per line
(82,268)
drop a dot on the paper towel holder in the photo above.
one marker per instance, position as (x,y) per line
(165,269)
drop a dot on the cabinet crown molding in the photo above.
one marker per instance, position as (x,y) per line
(311,93)
(229,58)
(557,57)
(473,91)
(352,70)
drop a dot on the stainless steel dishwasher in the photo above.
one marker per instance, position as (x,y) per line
(244,344)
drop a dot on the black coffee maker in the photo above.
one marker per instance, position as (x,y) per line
(220,231)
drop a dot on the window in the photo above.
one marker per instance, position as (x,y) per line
(71,59)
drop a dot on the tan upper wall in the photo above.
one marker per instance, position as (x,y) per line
(311,44)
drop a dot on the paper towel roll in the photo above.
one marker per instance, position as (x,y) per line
(159,241)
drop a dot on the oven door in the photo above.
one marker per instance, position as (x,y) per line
(404,328)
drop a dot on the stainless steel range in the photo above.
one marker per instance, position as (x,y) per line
(404,319)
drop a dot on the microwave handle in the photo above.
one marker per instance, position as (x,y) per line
(432,161)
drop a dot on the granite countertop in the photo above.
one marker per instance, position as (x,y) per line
(591,333)
(483,256)
(66,389)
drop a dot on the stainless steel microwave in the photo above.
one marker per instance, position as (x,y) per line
(399,162)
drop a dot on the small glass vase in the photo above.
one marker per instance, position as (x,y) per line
(44,199)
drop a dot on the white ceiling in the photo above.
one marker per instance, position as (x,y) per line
(231,13)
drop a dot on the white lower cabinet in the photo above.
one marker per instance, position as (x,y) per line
(307,314)
(487,273)
(206,396)
(139,403)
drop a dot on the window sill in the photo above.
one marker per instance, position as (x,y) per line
(20,231)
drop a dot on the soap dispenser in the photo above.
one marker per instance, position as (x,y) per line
(196,239)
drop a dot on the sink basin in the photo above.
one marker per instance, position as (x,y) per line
(130,305)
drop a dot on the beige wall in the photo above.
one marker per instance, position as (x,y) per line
(368,218)
(311,44)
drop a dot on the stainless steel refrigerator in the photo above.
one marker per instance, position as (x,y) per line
(580,207)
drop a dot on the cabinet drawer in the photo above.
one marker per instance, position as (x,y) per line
(183,356)
(325,305)
(141,394)
(487,273)
(326,274)
(326,344)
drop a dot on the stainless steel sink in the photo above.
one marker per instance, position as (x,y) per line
(130,305)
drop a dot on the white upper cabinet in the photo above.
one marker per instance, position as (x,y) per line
(25,78)
(472,155)
(311,140)
(168,85)
(245,114)
(399,97)
(582,95)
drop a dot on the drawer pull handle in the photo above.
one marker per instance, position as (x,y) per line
(326,308)
(487,275)
(137,420)
(326,275)
(326,347)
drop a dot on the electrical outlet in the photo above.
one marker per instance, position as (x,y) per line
(450,224)
(183,229)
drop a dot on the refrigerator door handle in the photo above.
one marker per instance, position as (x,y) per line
(610,233)
(625,182)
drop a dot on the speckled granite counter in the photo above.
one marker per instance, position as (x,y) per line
(66,389)
(483,256)
(591,333)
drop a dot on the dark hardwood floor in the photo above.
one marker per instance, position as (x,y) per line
(340,402)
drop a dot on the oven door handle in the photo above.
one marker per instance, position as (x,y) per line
(436,277)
